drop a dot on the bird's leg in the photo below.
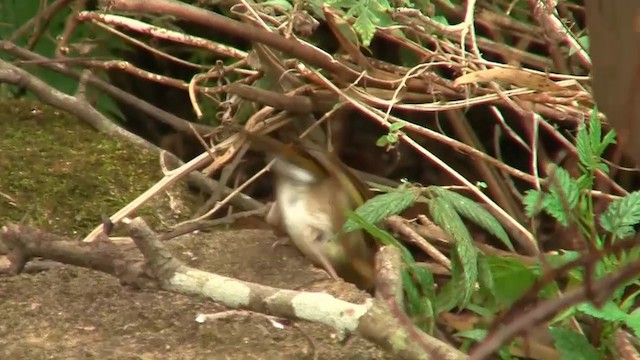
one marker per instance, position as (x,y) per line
(317,242)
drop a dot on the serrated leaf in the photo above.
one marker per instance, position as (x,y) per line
(379,234)
(563,197)
(595,132)
(566,189)
(583,145)
(552,205)
(633,321)
(382,206)
(365,26)
(444,215)
(573,345)
(532,202)
(621,215)
(608,312)
(476,213)
(609,139)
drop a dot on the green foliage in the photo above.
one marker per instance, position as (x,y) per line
(382,206)
(591,145)
(621,215)
(610,312)
(368,15)
(570,202)
(453,292)
(418,283)
(446,209)
(419,290)
(559,202)
(393,136)
(511,279)
(444,215)
(573,345)
(476,213)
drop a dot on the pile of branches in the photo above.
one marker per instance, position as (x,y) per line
(503,82)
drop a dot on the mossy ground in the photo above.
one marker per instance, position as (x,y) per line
(60,175)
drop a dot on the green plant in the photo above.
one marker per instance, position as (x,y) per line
(393,136)
(447,209)
(570,202)
(486,284)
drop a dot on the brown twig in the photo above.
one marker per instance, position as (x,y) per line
(165,117)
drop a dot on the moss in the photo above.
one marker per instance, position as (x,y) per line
(61,175)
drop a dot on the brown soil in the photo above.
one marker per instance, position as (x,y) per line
(73,313)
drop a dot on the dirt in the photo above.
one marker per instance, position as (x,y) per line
(72,313)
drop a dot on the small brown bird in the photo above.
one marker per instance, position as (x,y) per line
(314,190)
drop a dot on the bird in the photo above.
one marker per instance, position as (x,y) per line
(314,191)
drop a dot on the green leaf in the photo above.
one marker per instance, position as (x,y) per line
(382,141)
(450,295)
(368,14)
(418,286)
(474,334)
(485,278)
(532,202)
(382,206)
(563,197)
(621,215)
(584,42)
(573,345)
(397,126)
(608,312)
(365,26)
(563,258)
(633,322)
(583,145)
(609,139)
(379,234)
(481,310)
(441,19)
(566,189)
(590,143)
(511,279)
(444,215)
(476,213)
(595,132)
